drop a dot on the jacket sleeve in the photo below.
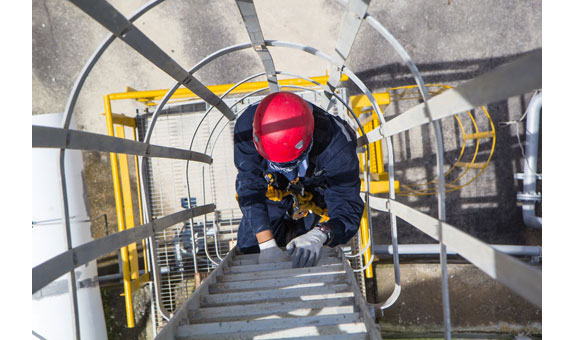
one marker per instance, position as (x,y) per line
(344,204)
(251,185)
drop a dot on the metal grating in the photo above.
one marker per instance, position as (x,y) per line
(177,262)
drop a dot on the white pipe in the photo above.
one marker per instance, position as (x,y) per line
(532,128)
(382,250)
(51,312)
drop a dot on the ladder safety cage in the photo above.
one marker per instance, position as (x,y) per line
(515,78)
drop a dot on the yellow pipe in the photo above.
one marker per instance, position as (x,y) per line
(128,207)
(364,233)
(217,89)
(120,212)
(121,119)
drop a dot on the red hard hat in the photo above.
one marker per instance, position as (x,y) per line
(283,127)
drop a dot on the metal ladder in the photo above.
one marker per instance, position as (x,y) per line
(245,300)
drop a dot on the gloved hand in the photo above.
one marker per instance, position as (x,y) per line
(305,250)
(271,253)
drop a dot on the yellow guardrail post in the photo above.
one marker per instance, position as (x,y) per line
(381,185)
(128,208)
(364,237)
(120,212)
(140,209)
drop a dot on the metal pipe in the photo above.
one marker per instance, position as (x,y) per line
(532,129)
(383,250)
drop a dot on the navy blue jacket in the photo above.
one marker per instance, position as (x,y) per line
(332,175)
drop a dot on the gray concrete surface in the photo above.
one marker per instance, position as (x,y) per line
(450,41)
(472,295)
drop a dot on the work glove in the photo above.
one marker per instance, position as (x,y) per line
(305,250)
(271,253)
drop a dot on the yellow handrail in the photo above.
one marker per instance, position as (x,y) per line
(125,210)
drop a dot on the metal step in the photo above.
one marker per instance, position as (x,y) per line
(274,266)
(283,283)
(326,252)
(245,300)
(234,327)
(356,330)
(272,309)
(298,294)
(244,260)
(292,272)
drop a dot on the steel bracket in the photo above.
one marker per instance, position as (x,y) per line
(529,197)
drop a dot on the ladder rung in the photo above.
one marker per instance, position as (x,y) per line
(288,325)
(275,283)
(243,260)
(301,294)
(272,310)
(273,266)
(348,331)
(294,272)
(325,252)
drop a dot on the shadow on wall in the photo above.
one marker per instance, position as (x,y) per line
(487,208)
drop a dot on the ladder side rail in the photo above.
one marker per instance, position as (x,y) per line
(353,15)
(495,85)
(72,99)
(50,137)
(250,18)
(57,266)
(169,331)
(440,174)
(512,79)
(367,313)
(520,277)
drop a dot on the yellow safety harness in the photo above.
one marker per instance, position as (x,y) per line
(302,205)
